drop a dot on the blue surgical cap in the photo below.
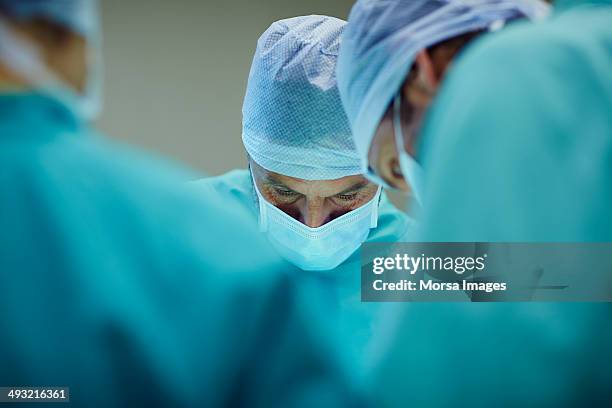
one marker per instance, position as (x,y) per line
(293,120)
(80,16)
(383,37)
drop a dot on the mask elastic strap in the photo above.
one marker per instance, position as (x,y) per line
(263,211)
(397,128)
(376,205)
(263,216)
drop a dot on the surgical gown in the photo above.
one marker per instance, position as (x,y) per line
(518,147)
(361,328)
(118,284)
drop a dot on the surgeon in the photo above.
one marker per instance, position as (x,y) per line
(113,281)
(393,59)
(304,183)
(516,148)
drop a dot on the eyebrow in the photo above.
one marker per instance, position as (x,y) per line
(354,188)
(273,181)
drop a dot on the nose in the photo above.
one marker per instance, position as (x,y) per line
(314,214)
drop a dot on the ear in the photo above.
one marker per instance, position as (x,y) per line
(393,172)
(426,71)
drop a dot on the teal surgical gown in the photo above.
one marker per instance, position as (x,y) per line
(518,147)
(117,283)
(361,328)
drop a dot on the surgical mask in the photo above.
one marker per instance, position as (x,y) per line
(322,248)
(22,57)
(411,170)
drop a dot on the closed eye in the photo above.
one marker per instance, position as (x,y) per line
(347,197)
(284,192)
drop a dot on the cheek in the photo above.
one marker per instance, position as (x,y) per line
(272,197)
(291,210)
(414,130)
(370,192)
(383,144)
(288,205)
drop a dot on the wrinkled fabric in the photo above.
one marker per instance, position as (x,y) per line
(293,120)
(524,157)
(118,284)
(547,158)
(383,37)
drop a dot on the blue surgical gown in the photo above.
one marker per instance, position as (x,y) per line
(361,328)
(518,147)
(117,283)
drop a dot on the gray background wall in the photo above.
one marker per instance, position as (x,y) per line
(176,72)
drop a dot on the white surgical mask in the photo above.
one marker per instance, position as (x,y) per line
(411,170)
(322,248)
(23,57)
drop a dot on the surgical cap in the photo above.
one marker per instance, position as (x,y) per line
(383,37)
(79,16)
(293,120)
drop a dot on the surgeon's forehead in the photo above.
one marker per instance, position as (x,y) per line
(322,188)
